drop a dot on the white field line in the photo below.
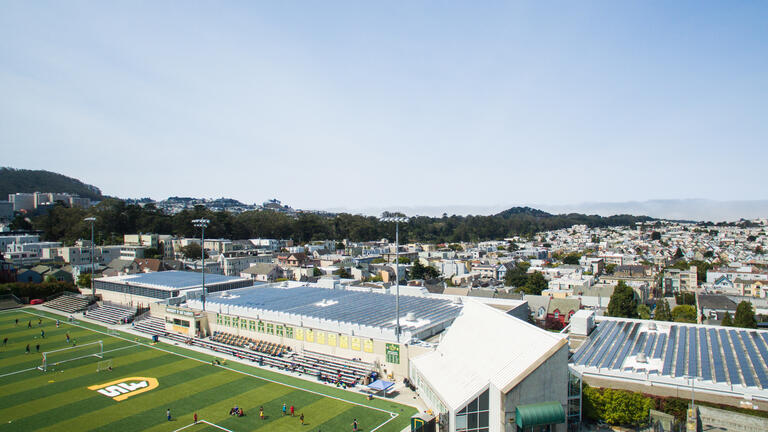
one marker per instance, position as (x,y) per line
(68,360)
(203,421)
(391,413)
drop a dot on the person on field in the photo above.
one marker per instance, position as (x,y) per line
(284,406)
(5,342)
(195,418)
(27,350)
(291,410)
(261,413)
(301,418)
(17,322)
(37,347)
(42,334)
(354,425)
(29,324)
(168,414)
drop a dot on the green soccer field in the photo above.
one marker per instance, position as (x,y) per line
(60,399)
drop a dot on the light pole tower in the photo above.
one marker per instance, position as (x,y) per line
(397,220)
(93,267)
(202,223)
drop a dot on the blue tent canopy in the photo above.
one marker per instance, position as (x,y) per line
(380,385)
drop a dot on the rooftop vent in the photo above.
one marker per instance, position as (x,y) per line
(641,358)
(652,326)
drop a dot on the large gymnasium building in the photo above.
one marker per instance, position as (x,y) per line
(475,365)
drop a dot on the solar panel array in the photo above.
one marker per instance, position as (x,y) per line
(357,307)
(730,356)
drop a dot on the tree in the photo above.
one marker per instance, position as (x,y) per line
(685,298)
(518,276)
(745,316)
(662,311)
(623,302)
(610,268)
(343,273)
(678,254)
(655,235)
(193,251)
(709,254)
(404,260)
(644,312)
(535,284)
(727,320)
(420,271)
(340,246)
(572,258)
(684,313)
(84,280)
(316,272)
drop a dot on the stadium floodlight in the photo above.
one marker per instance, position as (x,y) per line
(93,267)
(202,224)
(397,220)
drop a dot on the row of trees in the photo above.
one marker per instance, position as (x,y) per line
(116,217)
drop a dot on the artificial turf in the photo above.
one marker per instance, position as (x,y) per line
(59,399)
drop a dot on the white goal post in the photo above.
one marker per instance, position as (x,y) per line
(91,349)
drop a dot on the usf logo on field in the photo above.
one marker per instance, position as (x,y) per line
(122,389)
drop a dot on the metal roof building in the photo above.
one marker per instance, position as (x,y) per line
(362,313)
(724,360)
(168,284)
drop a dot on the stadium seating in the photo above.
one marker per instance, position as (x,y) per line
(151,326)
(68,303)
(270,348)
(111,314)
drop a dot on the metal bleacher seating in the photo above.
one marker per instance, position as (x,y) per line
(111,314)
(68,303)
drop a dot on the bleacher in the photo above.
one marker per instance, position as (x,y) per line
(111,314)
(68,303)
(9,301)
(324,367)
(270,348)
(151,326)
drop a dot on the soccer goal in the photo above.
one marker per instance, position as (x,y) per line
(55,357)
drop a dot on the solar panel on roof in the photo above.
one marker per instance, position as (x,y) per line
(730,362)
(717,360)
(746,371)
(627,345)
(598,340)
(693,365)
(641,338)
(682,335)
(757,364)
(610,355)
(605,344)
(660,343)
(668,355)
(706,371)
(649,343)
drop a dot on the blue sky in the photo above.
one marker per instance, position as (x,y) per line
(361,104)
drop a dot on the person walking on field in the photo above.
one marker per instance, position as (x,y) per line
(5,342)
(195,417)
(27,351)
(301,418)
(284,408)
(354,425)
(37,347)
(261,413)
(168,414)
(291,410)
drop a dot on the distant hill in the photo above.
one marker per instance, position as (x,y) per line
(526,211)
(21,180)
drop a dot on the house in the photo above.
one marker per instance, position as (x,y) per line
(560,311)
(263,272)
(28,276)
(676,280)
(297,259)
(714,307)
(751,288)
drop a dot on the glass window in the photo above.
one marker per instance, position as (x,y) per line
(474,416)
(261,326)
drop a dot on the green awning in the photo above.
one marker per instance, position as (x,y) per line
(539,414)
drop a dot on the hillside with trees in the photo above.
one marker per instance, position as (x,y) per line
(21,180)
(116,217)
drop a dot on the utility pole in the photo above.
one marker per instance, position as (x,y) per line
(93,266)
(397,220)
(202,223)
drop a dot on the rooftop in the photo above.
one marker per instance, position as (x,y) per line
(171,279)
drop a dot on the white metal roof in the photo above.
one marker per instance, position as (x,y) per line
(484,345)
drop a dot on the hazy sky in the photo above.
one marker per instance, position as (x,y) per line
(359,104)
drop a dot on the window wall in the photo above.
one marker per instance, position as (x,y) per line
(474,416)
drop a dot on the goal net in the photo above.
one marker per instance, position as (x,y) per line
(55,357)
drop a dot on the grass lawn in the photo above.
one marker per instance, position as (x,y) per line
(60,399)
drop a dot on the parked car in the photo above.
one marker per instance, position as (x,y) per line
(36,301)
